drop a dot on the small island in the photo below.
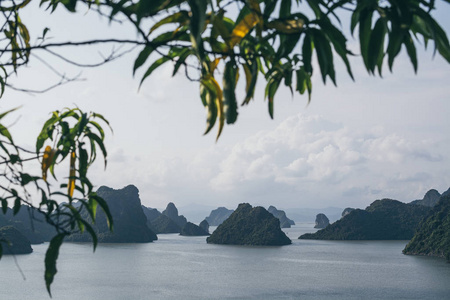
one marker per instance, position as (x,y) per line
(321,221)
(249,225)
(190,229)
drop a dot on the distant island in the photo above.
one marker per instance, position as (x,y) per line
(285,222)
(321,221)
(384,219)
(190,229)
(249,225)
(169,221)
(217,216)
(130,222)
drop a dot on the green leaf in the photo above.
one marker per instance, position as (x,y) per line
(229,86)
(411,50)
(181,60)
(253,68)
(339,42)
(98,127)
(315,7)
(153,67)
(99,141)
(285,8)
(142,58)
(17,206)
(365,24)
(76,215)
(26,178)
(197,25)
(48,127)
(301,81)
(376,45)
(179,17)
(208,95)
(324,55)
(396,38)
(4,205)
(91,232)
(105,209)
(70,4)
(82,161)
(92,208)
(4,131)
(2,115)
(271,89)
(307,53)
(51,257)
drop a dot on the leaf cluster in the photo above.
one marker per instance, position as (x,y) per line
(276,42)
(75,136)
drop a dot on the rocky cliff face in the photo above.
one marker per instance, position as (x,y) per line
(190,229)
(172,212)
(433,235)
(130,222)
(430,199)
(250,226)
(383,220)
(150,213)
(285,222)
(14,242)
(163,224)
(321,221)
(347,211)
(217,216)
(204,225)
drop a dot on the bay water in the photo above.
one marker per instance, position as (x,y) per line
(178,267)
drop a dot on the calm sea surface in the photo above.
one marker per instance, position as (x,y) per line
(176,267)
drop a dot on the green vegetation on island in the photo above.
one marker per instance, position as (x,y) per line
(433,236)
(383,220)
(249,225)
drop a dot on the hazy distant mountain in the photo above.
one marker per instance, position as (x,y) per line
(218,215)
(195,212)
(285,222)
(250,226)
(129,219)
(383,220)
(433,236)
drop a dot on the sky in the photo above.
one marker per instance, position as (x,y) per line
(360,141)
